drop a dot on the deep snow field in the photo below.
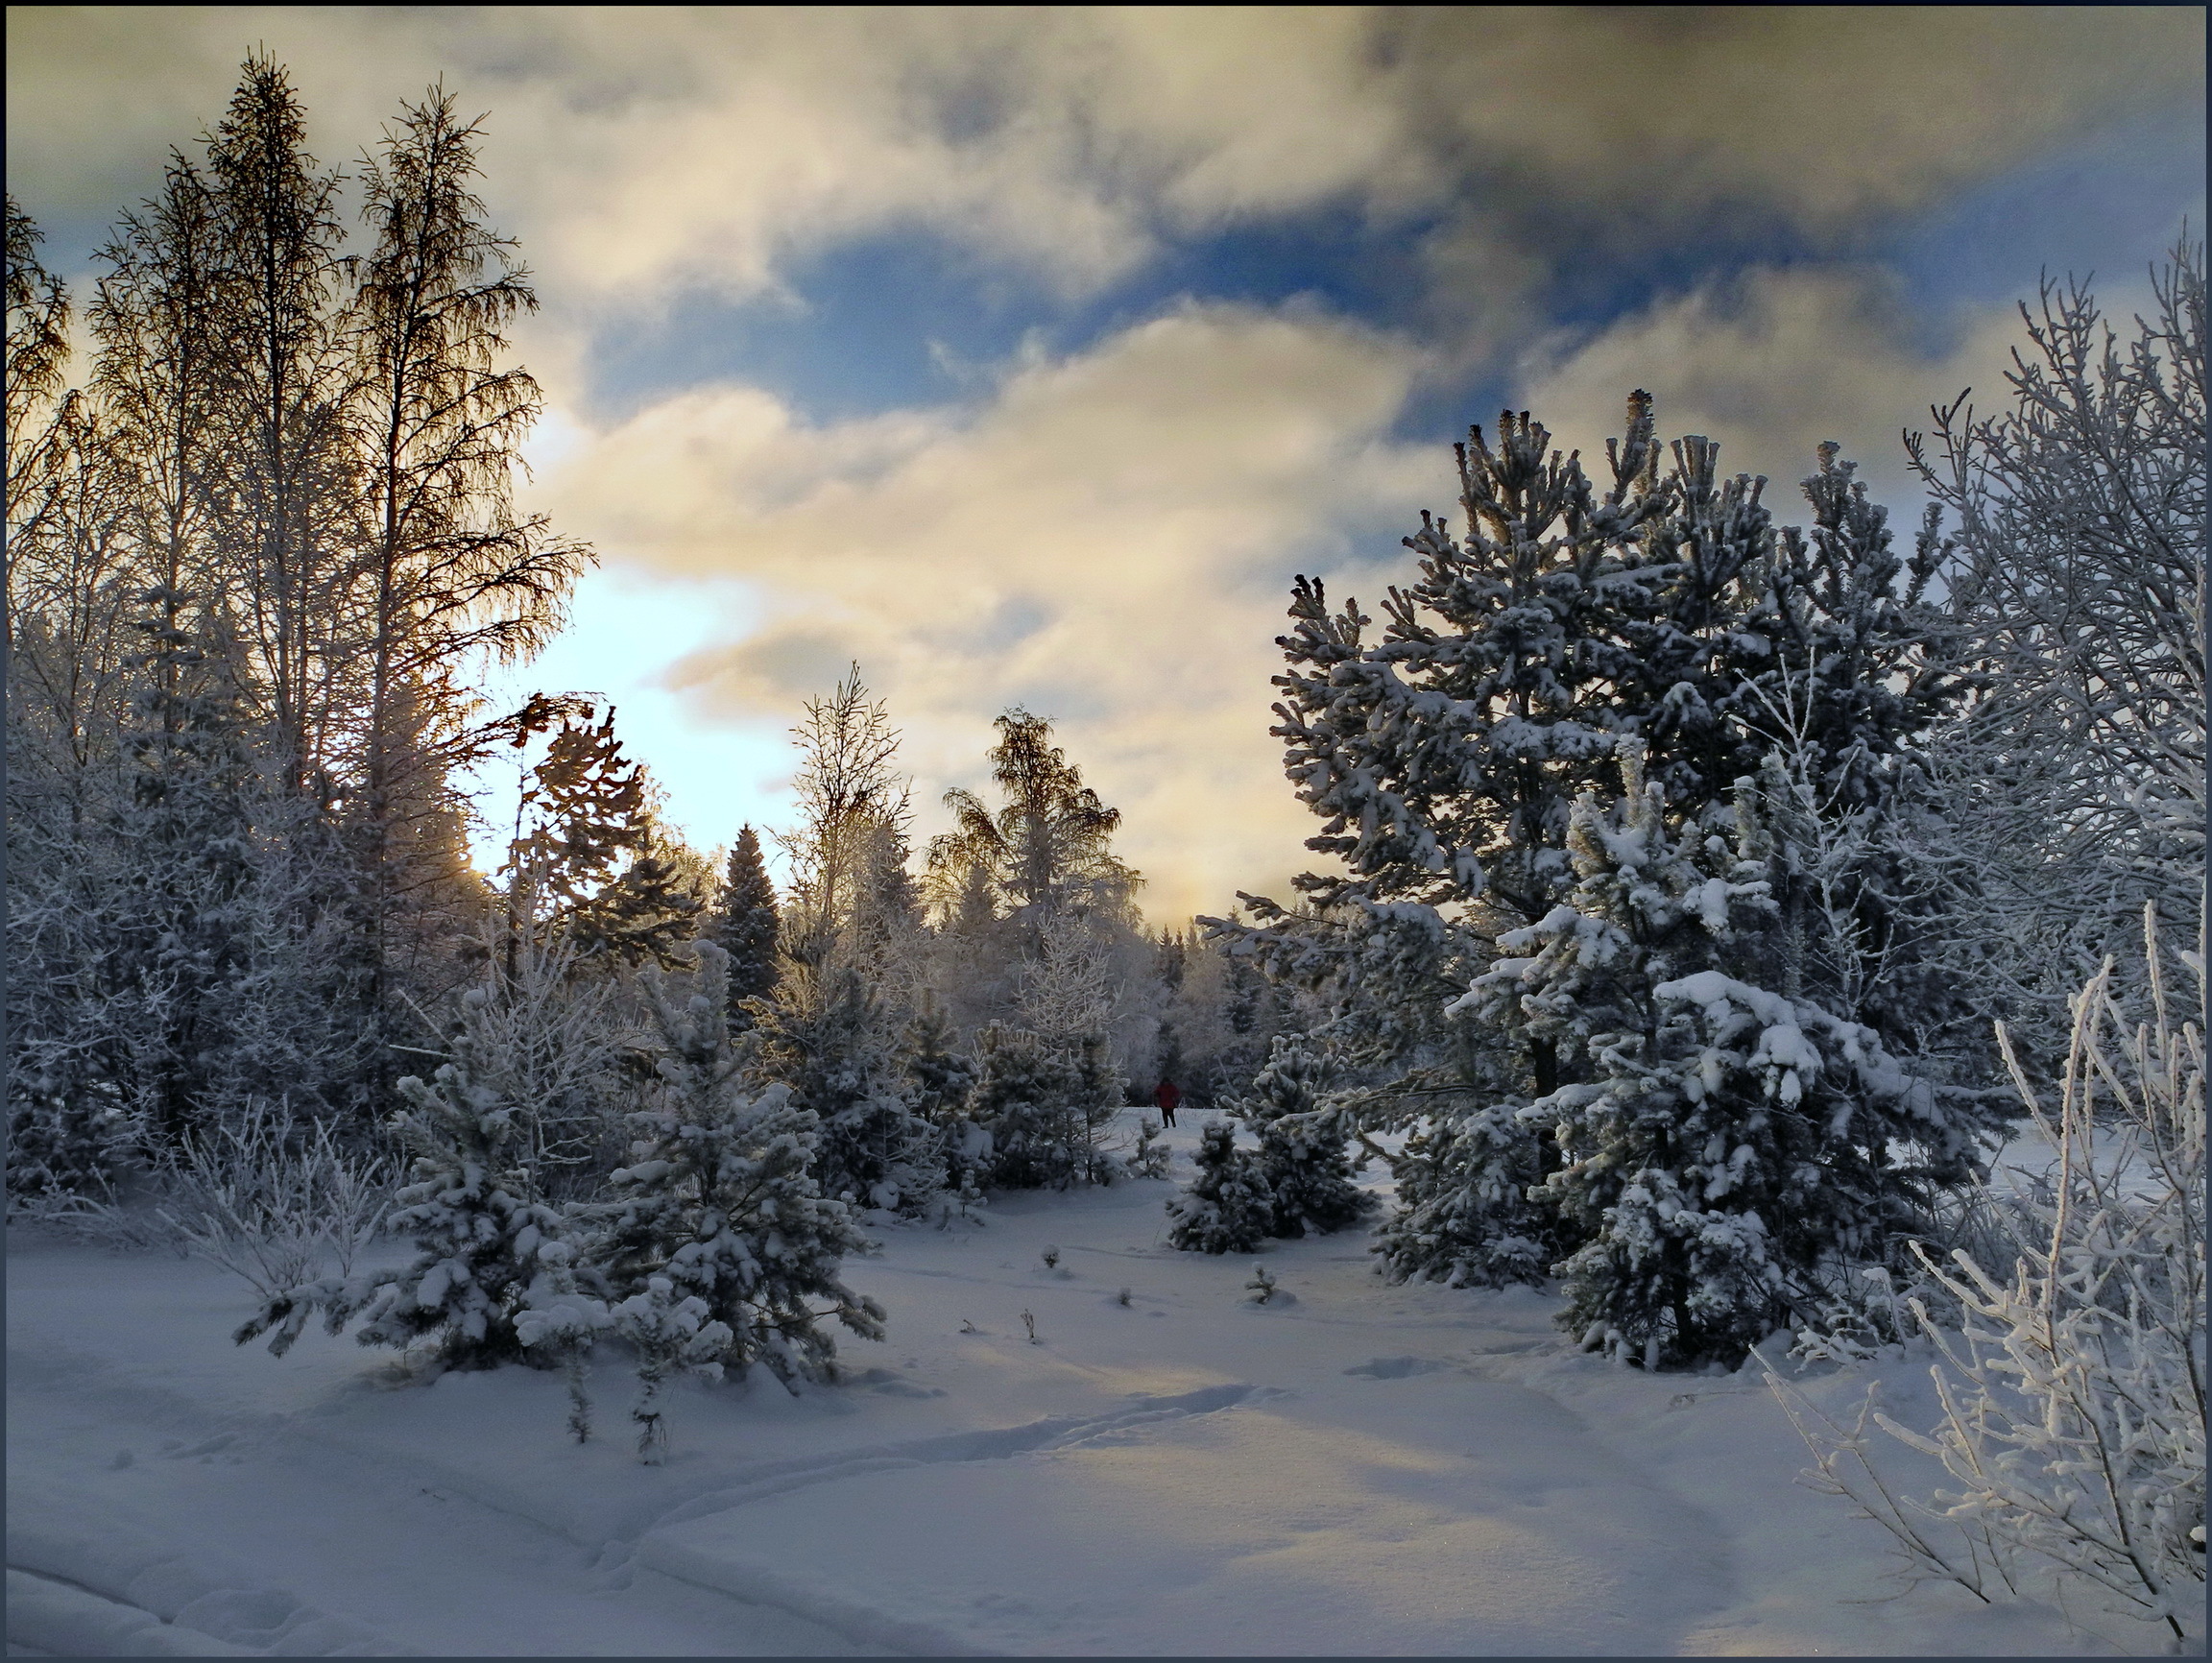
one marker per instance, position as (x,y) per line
(1351,1469)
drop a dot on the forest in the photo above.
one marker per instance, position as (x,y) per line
(1710,882)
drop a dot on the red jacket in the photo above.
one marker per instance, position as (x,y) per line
(1167,1096)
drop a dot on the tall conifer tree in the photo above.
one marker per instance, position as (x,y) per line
(744,926)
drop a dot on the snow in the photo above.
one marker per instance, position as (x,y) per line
(1366,1469)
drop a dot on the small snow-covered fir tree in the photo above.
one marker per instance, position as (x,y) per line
(721,1205)
(828,1038)
(1227,1208)
(472,1209)
(1302,1158)
(1464,1217)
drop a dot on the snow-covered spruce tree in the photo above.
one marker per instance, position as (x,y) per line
(940,1077)
(829,1039)
(743,924)
(720,1204)
(1301,1158)
(1227,1208)
(1727,1144)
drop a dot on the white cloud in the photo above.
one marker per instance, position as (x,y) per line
(1106,539)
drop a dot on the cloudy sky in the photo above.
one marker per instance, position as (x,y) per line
(1022,355)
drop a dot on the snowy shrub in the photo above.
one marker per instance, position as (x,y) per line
(2077,775)
(719,1203)
(1227,1208)
(1262,1287)
(2073,1388)
(1148,1157)
(273,1210)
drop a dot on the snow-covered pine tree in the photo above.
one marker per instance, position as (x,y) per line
(1227,1208)
(1726,1145)
(472,1209)
(1018,1104)
(721,1204)
(827,1038)
(744,925)
(939,1078)
(1301,1160)
(1445,759)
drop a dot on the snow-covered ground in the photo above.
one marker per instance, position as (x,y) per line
(1352,1468)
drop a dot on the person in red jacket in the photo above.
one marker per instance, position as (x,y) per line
(1165,1098)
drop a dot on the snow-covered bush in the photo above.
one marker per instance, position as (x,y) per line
(1148,1157)
(2073,1390)
(1227,1208)
(273,1209)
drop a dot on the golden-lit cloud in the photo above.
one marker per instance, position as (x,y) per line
(1103,533)
(1771,363)
(1105,541)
